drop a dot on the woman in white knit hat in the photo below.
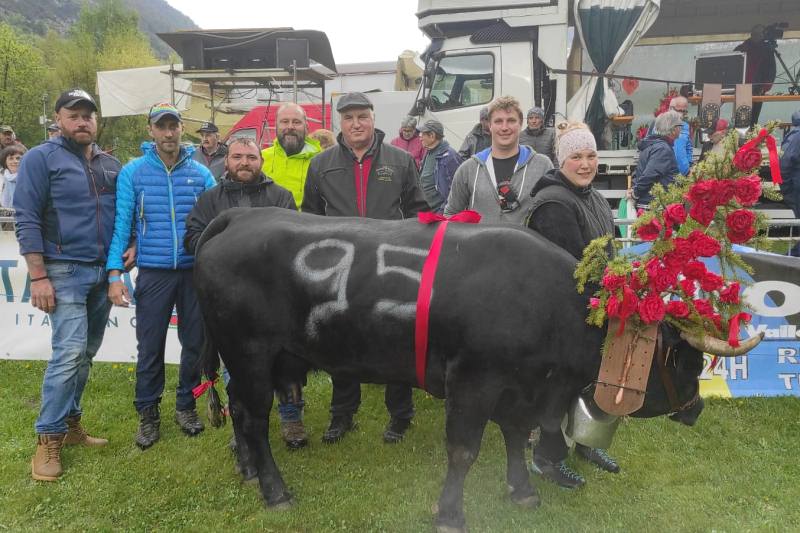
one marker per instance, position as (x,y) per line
(568,211)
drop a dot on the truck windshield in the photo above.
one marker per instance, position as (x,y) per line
(462,80)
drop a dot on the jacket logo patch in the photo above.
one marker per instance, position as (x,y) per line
(384,173)
(189,181)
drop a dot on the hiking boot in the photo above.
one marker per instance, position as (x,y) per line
(149,427)
(597,457)
(559,473)
(76,434)
(395,430)
(46,463)
(294,434)
(189,422)
(340,425)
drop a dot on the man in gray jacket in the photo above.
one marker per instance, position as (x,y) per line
(497,181)
(537,136)
(211,153)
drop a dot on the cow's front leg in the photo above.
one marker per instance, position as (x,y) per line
(256,406)
(466,420)
(519,485)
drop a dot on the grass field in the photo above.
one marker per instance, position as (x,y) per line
(736,470)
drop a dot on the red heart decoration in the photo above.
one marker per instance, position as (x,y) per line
(630,85)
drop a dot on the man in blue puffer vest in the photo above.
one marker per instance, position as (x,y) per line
(158,190)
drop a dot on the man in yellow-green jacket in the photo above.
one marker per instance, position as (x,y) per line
(287,160)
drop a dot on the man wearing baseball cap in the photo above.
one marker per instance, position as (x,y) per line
(64,203)
(211,153)
(539,137)
(53,131)
(158,190)
(361,176)
(8,137)
(438,165)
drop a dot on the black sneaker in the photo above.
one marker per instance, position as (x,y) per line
(340,425)
(149,427)
(559,473)
(395,430)
(598,457)
(189,422)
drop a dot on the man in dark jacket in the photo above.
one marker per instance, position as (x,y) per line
(790,170)
(363,177)
(479,138)
(657,163)
(438,166)
(211,152)
(64,205)
(537,136)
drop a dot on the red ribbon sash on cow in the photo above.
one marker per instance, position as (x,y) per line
(426,283)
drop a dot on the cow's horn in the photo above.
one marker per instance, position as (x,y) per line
(715,346)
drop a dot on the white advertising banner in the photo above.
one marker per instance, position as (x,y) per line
(25,331)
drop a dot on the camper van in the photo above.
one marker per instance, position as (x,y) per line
(532,49)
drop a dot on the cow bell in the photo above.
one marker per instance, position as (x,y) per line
(589,425)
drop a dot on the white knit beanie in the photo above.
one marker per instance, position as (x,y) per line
(574,140)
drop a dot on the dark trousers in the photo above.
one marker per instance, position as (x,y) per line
(157,292)
(346,399)
(552,446)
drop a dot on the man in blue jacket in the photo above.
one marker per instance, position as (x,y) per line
(64,205)
(438,165)
(158,190)
(790,171)
(657,162)
(682,146)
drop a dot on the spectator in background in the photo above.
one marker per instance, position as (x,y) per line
(8,137)
(287,160)
(478,139)
(537,136)
(657,162)
(682,146)
(408,140)
(790,170)
(438,166)
(9,163)
(211,152)
(716,133)
(324,137)
(53,131)
(760,69)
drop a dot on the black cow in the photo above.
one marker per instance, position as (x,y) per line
(508,340)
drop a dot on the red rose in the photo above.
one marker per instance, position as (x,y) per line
(635,284)
(717,320)
(694,270)
(688,287)
(649,231)
(636,264)
(704,246)
(675,214)
(681,254)
(740,225)
(651,308)
(594,303)
(710,282)
(730,294)
(660,277)
(612,306)
(629,303)
(678,309)
(723,191)
(702,192)
(613,281)
(747,160)
(748,190)
(702,212)
(703,307)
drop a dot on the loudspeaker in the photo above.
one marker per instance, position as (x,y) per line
(289,50)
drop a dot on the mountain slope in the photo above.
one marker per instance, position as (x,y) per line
(39,16)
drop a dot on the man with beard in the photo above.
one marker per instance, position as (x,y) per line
(479,137)
(537,136)
(211,152)
(157,191)
(363,177)
(245,185)
(287,160)
(64,206)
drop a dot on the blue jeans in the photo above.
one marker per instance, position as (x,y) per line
(289,411)
(157,292)
(78,324)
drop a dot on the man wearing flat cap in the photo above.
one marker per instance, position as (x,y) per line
(361,176)
(539,137)
(8,137)
(438,166)
(211,153)
(64,204)
(156,192)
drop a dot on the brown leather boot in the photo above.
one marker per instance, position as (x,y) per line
(46,464)
(76,434)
